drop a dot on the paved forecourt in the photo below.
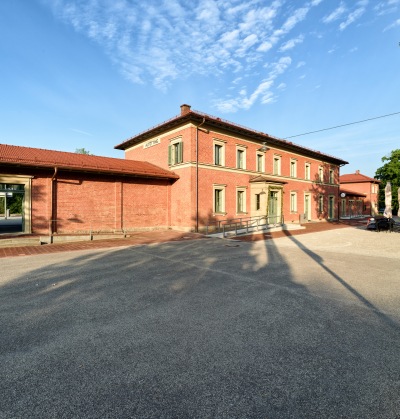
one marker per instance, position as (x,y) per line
(299,326)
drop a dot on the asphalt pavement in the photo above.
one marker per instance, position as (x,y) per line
(301,326)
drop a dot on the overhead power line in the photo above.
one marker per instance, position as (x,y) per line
(344,125)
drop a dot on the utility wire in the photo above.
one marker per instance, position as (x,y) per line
(344,125)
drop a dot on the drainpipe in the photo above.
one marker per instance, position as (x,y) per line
(197,174)
(53,201)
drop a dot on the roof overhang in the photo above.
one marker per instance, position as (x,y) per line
(99,171)
(267,179)
(352,193)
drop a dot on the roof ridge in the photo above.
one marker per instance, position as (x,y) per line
(30,156)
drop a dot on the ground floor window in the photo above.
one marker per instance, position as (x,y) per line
(331,207)
(321,203)
(241,200)
(257,201)
(219,199)
(293,202)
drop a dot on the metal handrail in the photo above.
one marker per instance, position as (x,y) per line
(246,223)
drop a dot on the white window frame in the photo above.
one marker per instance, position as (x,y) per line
(260,158)
(321,203)
(293,202)
(321,173)
(27,204)
(276,164)
(221,144)
(241,191)
(175,152)
(241,150)
(221,188)
(331,176)
(293,168)
(307,171)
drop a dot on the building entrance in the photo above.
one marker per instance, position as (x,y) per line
(273,211)
(12,208)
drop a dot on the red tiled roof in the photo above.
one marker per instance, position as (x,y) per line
(356,178)
(199,117)
(36,157)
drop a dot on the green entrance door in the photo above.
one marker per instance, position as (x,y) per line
(273,214)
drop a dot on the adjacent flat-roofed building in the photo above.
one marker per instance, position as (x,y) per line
(359,194)
(227,171)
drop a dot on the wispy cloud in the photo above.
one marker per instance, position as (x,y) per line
(386,7)
(82,132)
(291,43)
(343,13)
(395,24)
(239,43)
(352,17)
(336,14)
(262,91)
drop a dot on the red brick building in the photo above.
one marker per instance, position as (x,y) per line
(358,194)
(73,193)
(227,171)
(188,172)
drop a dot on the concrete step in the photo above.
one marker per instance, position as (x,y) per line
(19,241)
(65,238)
(40,240)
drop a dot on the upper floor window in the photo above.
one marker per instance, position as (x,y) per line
(260,162)
(277,165)
(321,174)
(175,153)
(241,158)
(293,168)
(331,176)
(218,154)
(307,171)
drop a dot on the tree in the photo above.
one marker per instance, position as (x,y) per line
(389,172)
(14,204)
(82,151)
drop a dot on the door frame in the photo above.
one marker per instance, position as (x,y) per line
(27,201)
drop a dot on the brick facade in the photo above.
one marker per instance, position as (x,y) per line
(359,194)
(185,173)
(59,201)
(305,183)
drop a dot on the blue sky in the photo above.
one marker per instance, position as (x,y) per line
(93,73)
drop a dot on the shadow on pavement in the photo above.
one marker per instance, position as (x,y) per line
(202,328)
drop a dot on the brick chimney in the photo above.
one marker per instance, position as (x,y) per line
(185,109)
(357,172)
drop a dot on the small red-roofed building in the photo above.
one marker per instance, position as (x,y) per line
(358,195)
(73,193)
